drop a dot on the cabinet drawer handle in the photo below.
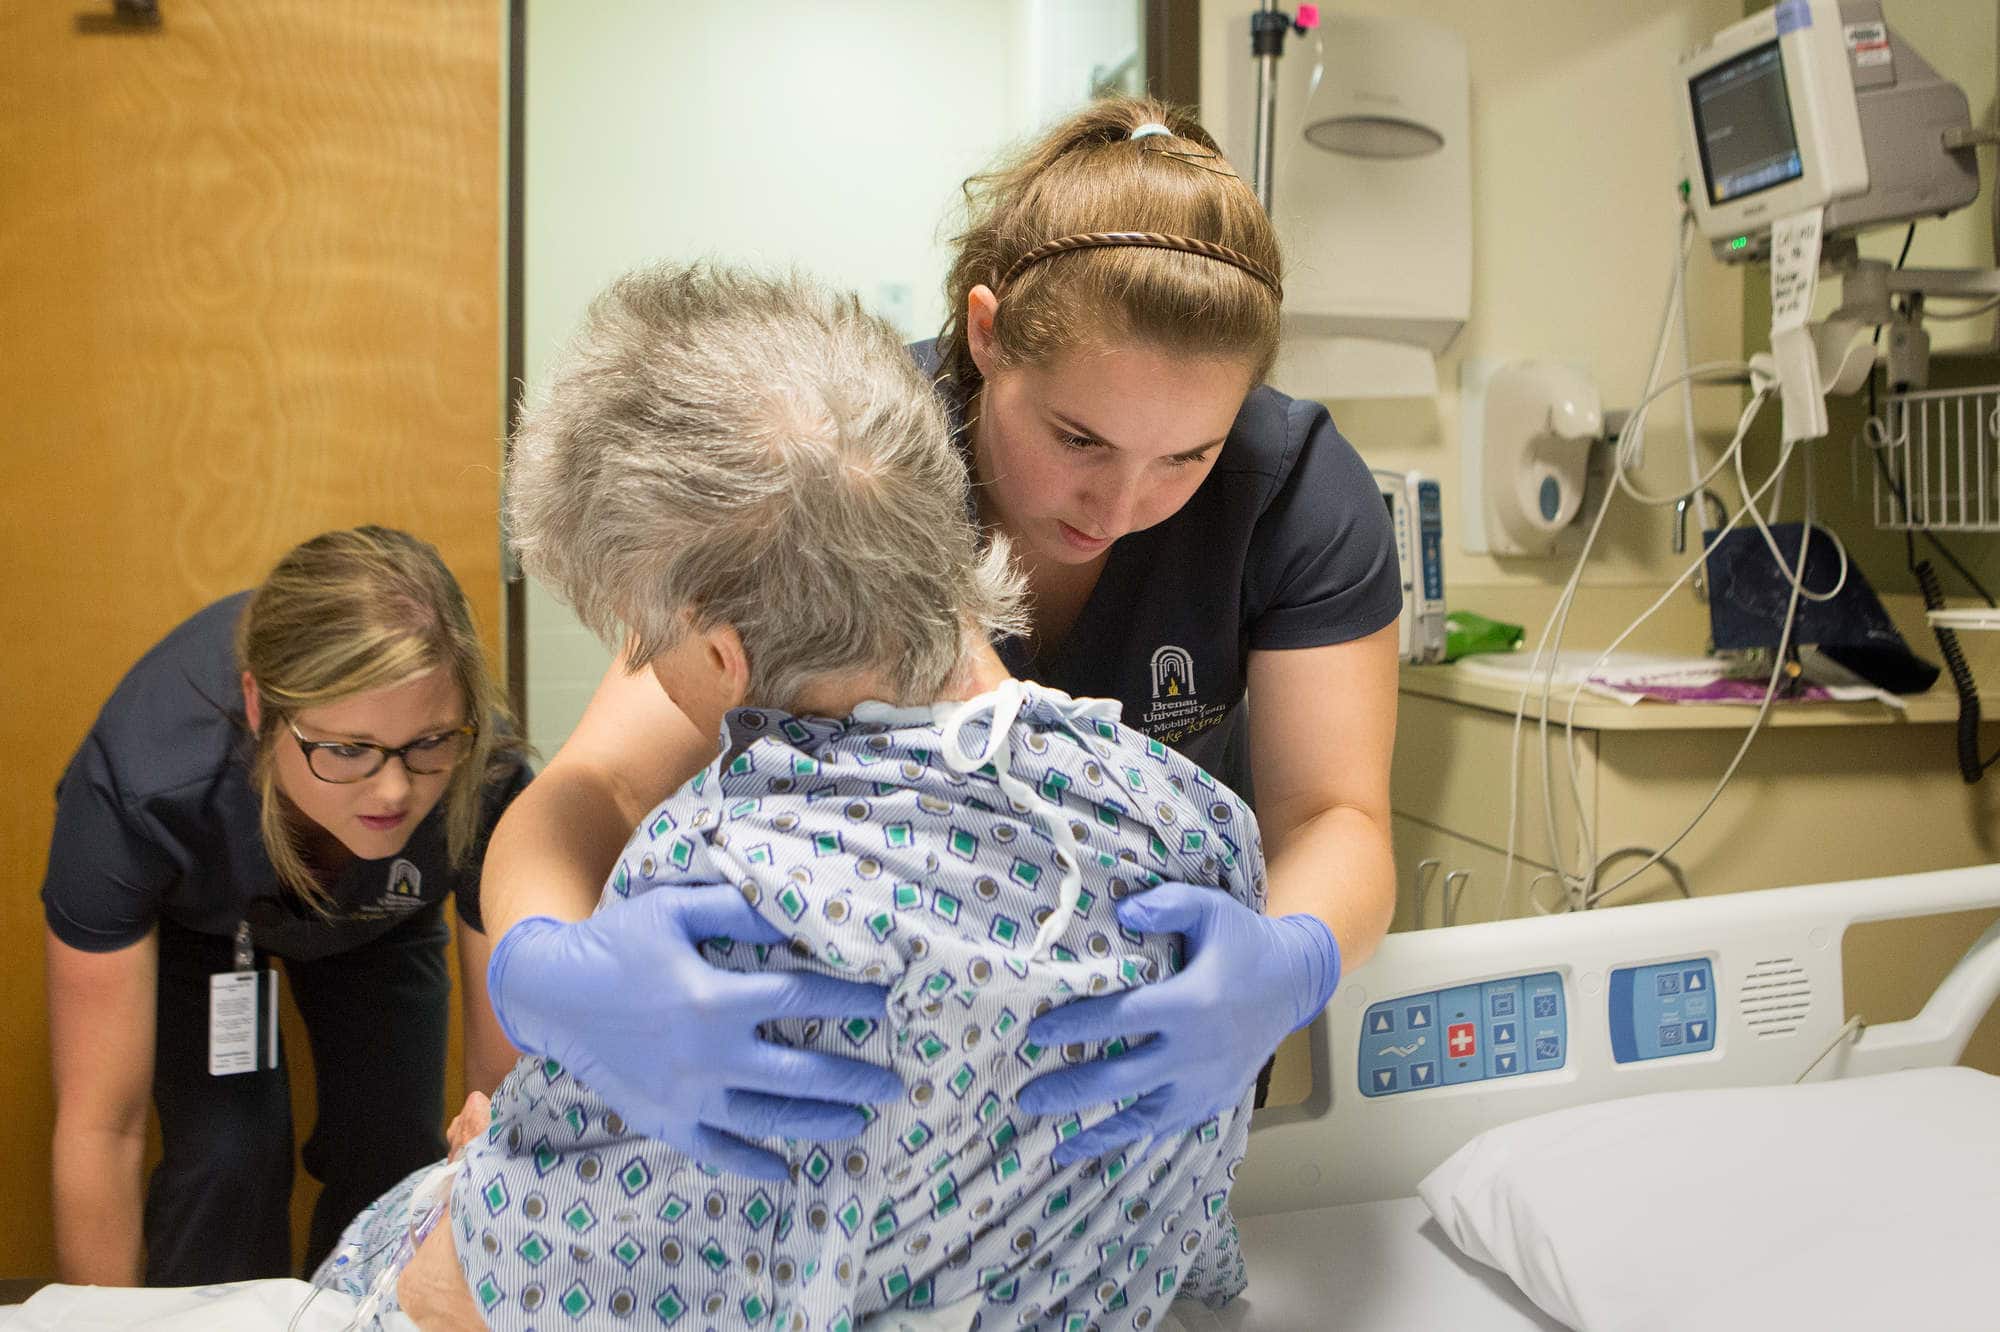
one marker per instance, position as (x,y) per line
(1454,888)
(1426,872)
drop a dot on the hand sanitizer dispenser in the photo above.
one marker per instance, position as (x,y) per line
(1527,428)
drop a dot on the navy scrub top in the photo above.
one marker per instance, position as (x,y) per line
(156,819)
(1286,544)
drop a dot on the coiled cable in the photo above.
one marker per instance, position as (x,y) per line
(1970,766)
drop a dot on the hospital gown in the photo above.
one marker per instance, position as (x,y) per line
(967,857)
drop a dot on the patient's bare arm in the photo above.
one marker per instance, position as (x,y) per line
(432,1291)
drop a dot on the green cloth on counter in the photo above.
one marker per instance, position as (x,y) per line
(1466,634)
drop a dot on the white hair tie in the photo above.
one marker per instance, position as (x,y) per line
(1149,129)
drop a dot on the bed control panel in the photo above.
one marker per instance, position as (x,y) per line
(1663,1010)
(1499,1029)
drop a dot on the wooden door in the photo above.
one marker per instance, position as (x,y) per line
(249,291)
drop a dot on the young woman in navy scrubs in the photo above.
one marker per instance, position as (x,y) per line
(302,772)
(1191,539)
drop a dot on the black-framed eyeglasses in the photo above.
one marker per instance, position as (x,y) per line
(344,761)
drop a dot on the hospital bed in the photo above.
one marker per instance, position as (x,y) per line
(1447,1036)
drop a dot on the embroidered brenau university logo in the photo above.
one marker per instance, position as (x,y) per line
(1173,672)
(1175,713)
(404,893)
(405,880)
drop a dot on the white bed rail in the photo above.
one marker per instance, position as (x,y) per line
(1774,957)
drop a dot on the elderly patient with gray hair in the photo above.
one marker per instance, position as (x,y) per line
(748,482)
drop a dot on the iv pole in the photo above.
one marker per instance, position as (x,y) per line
(1268,28)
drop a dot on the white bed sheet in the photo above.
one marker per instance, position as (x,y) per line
(1379,1266)
(1376,1267)
(244,1306)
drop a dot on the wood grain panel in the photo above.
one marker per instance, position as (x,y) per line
(249,291)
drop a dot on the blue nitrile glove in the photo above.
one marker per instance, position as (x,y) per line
(625,1002)
(1249,981)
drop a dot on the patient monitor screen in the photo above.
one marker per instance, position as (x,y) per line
(1743,121)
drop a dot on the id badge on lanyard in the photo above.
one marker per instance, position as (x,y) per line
(243,1014)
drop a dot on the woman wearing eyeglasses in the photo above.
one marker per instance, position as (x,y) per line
(301,772)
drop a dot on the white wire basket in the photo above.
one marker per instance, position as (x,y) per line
(1939,456)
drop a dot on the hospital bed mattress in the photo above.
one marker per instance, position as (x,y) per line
(1378,1266)
(1374,1267)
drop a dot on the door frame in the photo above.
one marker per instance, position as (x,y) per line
(1173,74)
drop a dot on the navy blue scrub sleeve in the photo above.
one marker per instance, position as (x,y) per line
(493,803)
(106,878)
(1322,565)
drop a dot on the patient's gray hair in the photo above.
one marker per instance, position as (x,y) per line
(761,453)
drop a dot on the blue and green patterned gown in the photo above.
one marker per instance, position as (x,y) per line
(967,857)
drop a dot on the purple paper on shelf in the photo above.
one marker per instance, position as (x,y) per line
(1714,691)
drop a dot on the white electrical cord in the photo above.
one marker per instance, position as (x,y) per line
(1584,889)
(1591,900)
(1771,542)
(1635,424)
(1687,368)
(1580,885)
(1709,372)
(1985,307)
(1756,724)
(1852,1027)
(1552,631)
(1590,858)
(1581,888)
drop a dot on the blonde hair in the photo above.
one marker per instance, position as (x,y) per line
(1087,175)
(352,611)
(721,448)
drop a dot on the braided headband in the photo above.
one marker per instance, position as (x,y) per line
(1144,240)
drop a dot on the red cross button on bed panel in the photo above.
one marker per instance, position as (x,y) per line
(1486,1032)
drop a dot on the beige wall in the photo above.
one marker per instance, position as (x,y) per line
(1574,158)
(1574,164)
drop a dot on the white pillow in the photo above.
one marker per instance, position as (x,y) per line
(1865,1203)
